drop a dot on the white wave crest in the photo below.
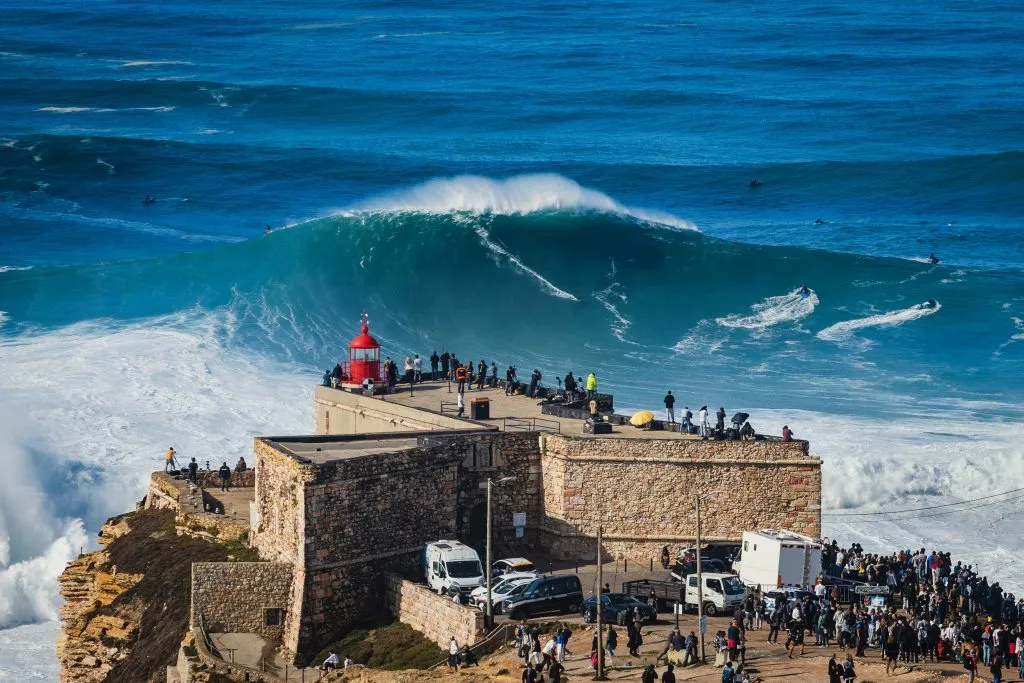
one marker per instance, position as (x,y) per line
(98,110)
(844,330)
(155,62)
(517,195)
(774,310)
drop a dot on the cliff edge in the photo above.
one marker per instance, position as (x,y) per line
(127,605)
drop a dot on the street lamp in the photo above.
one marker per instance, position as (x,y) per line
(490,602)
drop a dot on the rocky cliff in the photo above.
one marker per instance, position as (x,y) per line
(126,605)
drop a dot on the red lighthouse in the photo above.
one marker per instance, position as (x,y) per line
(363,357)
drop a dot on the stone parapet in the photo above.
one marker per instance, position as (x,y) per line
(433,615)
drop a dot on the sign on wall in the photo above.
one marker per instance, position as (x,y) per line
(518,519)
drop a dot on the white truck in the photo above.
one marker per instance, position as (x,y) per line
(452,564)
(722,593)
(774,558)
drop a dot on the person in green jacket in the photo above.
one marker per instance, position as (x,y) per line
(591,385)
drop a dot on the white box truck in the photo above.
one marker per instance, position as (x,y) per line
(774,558)
(452,564)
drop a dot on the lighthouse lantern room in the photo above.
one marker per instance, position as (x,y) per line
(363,358)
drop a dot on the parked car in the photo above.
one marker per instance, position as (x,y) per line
(561,594)
(617,607)
(499,592)
(512,565)
(683,569)
(498,583)
(726,552)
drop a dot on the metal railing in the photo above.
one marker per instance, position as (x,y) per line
(530,424)
(491,643)
(449,407)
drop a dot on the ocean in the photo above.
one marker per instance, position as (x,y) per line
(560,185)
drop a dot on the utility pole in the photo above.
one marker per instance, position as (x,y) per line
(490,602)
(600,599)
(700,589)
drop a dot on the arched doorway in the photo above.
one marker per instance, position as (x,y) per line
(477,524)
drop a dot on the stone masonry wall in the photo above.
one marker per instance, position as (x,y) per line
(433,615)
(643,492)
(279,531)
(232,596)
(365,515)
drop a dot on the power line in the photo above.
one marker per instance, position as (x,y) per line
(930,507)
(937,514)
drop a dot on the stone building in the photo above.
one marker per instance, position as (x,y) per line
(384,475)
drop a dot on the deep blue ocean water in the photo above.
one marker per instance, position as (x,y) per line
(514,183)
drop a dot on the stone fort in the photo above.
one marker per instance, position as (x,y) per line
(335,513)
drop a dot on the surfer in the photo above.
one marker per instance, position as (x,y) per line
(933,259)
(756,183)
(148,200)
(931,303)
(818,221)
(266,231)
(804,292)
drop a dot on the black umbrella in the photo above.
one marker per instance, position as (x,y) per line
(740,418)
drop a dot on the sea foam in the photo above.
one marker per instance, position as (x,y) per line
(517,195)
(844,330)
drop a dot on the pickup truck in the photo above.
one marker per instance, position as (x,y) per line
(667,592)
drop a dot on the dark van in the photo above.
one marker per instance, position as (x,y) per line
(545,594)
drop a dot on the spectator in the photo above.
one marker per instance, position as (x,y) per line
(434,361)
(240,466)
(728,674)
(453,655)
(445,360)
(668,676)
(787,433)
(670,411)
(193,470)
(332,662)
(481,374)
(704,427)
(649,675)
(835,670)
(691,649)
(460,403)
(591,385)
(720,422)
(686,423)
(225,477)
(461,375)
(548,651)
(327,378)
(169,459)
(417,369)
(348,662)
(535,378)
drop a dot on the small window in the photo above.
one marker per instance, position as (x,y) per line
(692,581)
(327,421)
(273,616)
(746,545)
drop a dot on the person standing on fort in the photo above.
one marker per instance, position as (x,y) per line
(703,415)
(591,385)
(670,410)
(787,433)
(720,422)
(417,369)
(434,360)
(481,374)
(225,477)
(460,402)
(445,360)
(461,375)
(494,375)
(193,469)
(685,424)
(169,459)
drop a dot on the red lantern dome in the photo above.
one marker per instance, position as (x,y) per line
(363,356)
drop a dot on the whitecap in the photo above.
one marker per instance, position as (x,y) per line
(842,331)
(156,62)
(516,195)
(774,310)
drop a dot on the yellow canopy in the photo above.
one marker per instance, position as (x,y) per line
(641,418)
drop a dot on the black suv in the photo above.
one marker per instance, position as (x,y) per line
(680,570)
(561,594)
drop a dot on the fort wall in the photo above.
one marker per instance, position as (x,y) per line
(433,615)
(642,492)
(234,597)
(343,412)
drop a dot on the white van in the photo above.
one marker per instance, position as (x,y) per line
(452,564)
(722,594)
